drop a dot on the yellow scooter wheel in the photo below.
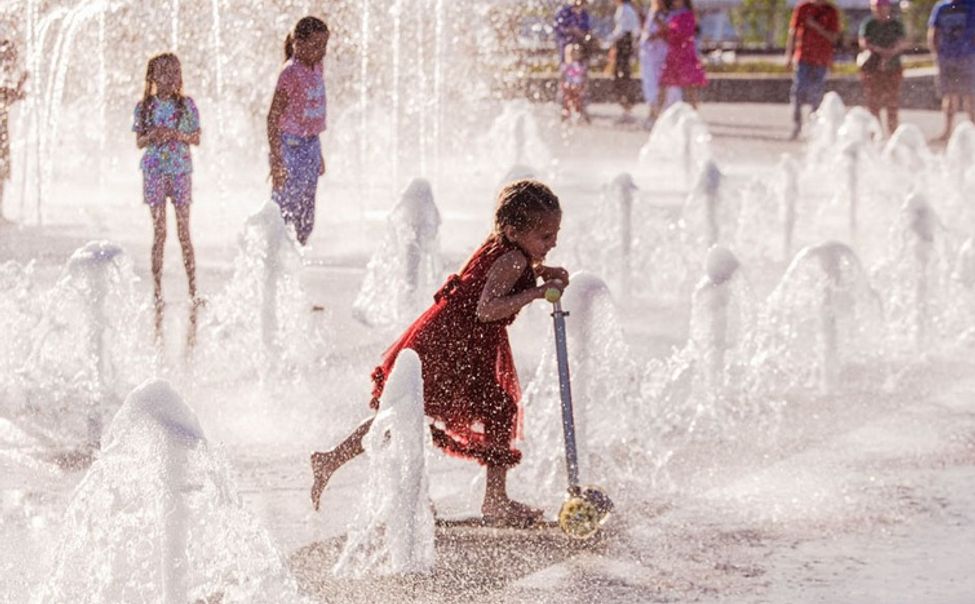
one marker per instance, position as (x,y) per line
(583,513)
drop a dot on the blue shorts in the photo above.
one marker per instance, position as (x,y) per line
(809,84)
(302,158)
(157,188)
(956,76)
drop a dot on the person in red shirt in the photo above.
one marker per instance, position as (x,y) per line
(813,31)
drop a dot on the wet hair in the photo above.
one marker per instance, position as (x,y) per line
(145,108)
(522,204)
(303,29)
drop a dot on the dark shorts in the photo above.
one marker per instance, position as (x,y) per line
(157,188)
(956,76)
(809,84)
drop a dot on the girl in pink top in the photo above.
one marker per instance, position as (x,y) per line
(682,68)
(296,118)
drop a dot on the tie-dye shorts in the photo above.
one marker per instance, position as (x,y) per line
(157,188)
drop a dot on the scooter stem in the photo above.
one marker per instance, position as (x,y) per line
(565,391)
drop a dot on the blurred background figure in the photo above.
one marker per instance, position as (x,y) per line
(950,41)
(626,29)
(575,76)
(682,67)
(572,27)
(813,31)
(882,39)
(653,55)
(10,93)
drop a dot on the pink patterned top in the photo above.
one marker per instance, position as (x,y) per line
(305,113)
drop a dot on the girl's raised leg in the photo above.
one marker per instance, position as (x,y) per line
(324,463)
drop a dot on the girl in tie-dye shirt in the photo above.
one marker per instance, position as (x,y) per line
(166,124)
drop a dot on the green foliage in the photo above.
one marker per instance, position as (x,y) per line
(762,23)
(916,19)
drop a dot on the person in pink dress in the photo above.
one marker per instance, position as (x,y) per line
(682,69)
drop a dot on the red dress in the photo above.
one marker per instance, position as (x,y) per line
(470,387)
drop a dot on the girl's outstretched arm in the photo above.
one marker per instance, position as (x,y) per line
(496,303)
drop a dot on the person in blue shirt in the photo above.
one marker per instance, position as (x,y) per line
(951,41)
(571,26)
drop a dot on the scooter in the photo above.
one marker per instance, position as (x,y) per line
(587,508)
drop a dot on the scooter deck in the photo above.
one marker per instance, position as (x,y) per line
(480,522)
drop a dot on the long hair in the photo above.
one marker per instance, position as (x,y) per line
(145,108)
(304,28)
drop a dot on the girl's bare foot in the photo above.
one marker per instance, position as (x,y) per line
(508,512)
(323,465)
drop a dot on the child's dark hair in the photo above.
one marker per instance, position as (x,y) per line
(304,28)
(145,109)
(522,204)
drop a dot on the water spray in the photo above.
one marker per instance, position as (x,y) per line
(790,196)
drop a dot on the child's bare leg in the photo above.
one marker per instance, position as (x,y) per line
(189,260)
(158,246)
(498,505)
(324,463)
(948,105)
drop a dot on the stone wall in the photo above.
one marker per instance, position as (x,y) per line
(918,92)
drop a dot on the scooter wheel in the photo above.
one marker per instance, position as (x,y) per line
(582,514)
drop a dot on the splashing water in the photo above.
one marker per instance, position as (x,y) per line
(615,441)
(88,346)
(158,519)
(638,247)
(393,532)
(915,275)
(825,124)
(406,268)
(514,139)
(788,201)
(678,135)
(261,323)
(518,172)
(823,315)
(958,156)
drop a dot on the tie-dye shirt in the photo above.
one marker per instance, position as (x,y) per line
(305,113)
(173,157)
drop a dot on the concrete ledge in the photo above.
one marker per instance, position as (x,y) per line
(919,90)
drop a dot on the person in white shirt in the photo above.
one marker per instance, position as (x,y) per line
(626,30)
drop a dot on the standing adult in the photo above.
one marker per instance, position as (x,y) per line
(813,31)
(950,40)
(682,69)
(882,39)
(625,31)
(653,55)
(572,26)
